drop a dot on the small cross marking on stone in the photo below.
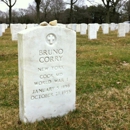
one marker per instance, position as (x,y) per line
(51,38)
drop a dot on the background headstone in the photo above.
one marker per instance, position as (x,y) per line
(0,30)
(3,27)
(97,26)
(78,28)
(127,27)
(15,28)
(69,26)
(92,31)
(83,28)
(74,26)
(112,27)
(105,28)
(121,30)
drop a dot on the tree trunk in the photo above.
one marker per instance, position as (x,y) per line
(108,16)
(10,15)
(71,12)
(45,15)
(38,14)
(129,17)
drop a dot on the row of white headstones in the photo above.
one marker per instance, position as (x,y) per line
(3,27)
(47,70)
(122,28)
(92,29)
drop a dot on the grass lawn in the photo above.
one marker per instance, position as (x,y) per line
(103,86)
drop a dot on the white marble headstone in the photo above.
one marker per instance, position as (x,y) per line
(69,26)
(47,72)
(78,28)
(0,29)
(112,27)
(15,28)
(97,26)
(105,28)
(74,26)
(83,28)
(3,27)
(127,27)
(121,30)
(92,31)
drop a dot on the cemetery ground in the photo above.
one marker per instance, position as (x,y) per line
(102,86)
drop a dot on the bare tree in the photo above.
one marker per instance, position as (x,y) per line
(109,5)
(10,4)
(2,17)
(57,7)
(38,10)
(32,13)
(22,13)
(72,2)
(45,7)
(126,10)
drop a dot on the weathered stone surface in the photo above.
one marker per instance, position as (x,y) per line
(47,72)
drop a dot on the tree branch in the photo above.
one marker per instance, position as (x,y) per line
(75,2)
(104,3)
(6,2)
(13,3)
(72,3)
